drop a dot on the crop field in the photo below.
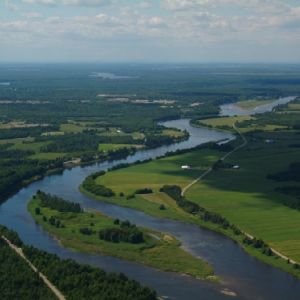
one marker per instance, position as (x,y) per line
(71,128)
(250,104)
(156,173)
(224,121)
(247,198)
(33,146)
(113,147)
(227,122)
(173,133)
(47,155)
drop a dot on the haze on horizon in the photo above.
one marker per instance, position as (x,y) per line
(150,31)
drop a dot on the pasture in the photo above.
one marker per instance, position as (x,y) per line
(248,199)
(158,172)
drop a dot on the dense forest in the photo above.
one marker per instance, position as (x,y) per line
(85,282)
(75,281)
(15,171)
(17,280)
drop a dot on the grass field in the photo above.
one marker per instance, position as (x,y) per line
(71,128)
(173,133)
(159,250)
(251,104)
(47,155)
(159,172)
(227,122)
(247,198)
(33,146)
(113,147)
(16,140)
(224,121)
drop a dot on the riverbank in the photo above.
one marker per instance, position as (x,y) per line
(150,203)
(79,231)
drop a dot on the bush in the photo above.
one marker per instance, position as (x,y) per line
(162,207)
(85,231)
(144,191)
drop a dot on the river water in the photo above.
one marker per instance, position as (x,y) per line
(240,273)
(231,109)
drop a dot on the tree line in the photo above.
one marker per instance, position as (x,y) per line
(57,203)
(74,280)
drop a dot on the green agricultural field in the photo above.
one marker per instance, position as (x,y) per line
(173,133)
(156,173)
(71,128)
(225,121)
(47,155)
(251,104)
(116,132)
(113,147)
(247,198)
(294,106)
(33,146)
(16,140)
(158,249)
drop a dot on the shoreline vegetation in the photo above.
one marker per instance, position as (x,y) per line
(213,221)
(42,161)
(90,231)
(259,250)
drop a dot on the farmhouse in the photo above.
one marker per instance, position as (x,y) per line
(185,167)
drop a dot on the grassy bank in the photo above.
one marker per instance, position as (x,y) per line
(248,198)
(158,250)
(255,208)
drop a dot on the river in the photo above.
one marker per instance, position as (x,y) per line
(240,273)
(231,109)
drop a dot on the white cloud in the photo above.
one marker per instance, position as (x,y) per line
(70,2)
(42,2)
(197,24)
(10,5)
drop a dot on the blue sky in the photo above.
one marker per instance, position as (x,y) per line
(150,31)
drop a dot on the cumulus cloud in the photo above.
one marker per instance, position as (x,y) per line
(10,5)
(70,2)
(196,23)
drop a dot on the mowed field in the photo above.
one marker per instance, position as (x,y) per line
(227,123)
(250,104)
(113,147)
(159,172)
(247,198)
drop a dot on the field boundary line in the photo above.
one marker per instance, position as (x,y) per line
(245,142)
